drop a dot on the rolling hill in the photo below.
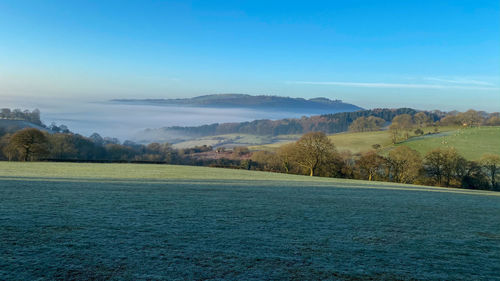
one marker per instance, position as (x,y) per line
(471,143)
(277,103)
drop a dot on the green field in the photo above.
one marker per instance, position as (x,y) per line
(360,142)
(364,141)
(151,222)
(471,143)
(354,142)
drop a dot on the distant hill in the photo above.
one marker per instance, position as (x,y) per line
(286,104)
(328,123)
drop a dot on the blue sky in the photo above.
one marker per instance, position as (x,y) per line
(421,54)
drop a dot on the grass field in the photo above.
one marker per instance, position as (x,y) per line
(355,142)
(471,143)
(150,222)
(364,141)
(360,142)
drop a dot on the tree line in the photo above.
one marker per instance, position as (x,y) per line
(372,119)
(328,123)
(25,115)
(315,155)
(31,144)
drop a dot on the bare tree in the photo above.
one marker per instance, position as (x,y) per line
(370,166)
(405,164)
(401,124)
(491,163)
(421,119)
(312,151)
(285,156)
(30,143)
(443,165)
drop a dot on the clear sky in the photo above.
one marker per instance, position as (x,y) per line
(421,54)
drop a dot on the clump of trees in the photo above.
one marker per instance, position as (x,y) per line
(470,118)
(404,164)
(401,127)
(239,151)
(31,144)
(18,114)
(491,166)
(366,124)
(370,166)
(493,119)
(313,154)
(27,145)
(195,149)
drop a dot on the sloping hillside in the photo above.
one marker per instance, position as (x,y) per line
(471,143)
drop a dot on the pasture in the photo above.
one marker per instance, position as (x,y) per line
(360,142)
(357,142)
(151,222)
(471,143)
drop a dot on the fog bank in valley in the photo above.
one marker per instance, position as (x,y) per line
(126,121)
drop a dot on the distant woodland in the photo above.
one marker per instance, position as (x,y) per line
(328,123)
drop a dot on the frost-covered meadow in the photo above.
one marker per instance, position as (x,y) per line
(138,222)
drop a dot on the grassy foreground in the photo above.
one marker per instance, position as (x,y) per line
(150,222)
